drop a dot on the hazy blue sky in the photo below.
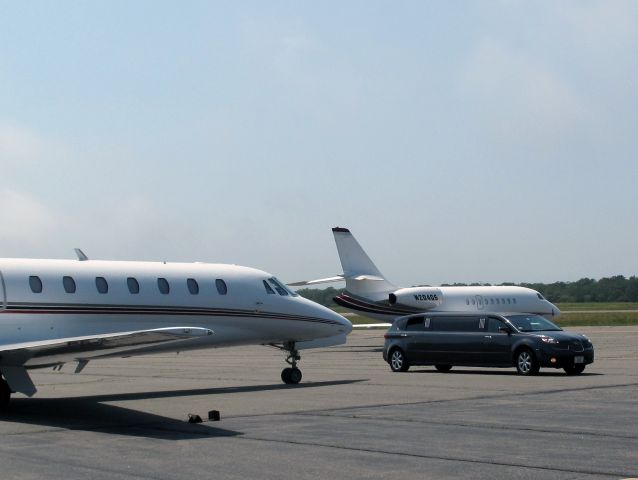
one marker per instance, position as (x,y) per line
(459,141)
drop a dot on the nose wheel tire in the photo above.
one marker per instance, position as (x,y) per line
(291,376)
(398,362)
(526,363)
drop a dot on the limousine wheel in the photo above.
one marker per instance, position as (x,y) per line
(574,369)
(443,368)
(526,363)
(398,362)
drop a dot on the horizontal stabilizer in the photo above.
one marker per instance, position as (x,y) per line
(80,349)
(372,278)
(337,278)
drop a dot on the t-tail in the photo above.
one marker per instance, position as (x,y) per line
(362,276)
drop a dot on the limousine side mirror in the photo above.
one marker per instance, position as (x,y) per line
(505,329)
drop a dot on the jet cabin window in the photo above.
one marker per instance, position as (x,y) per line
(35,283)
(222,288)
(163,286)
(133,285)
(192,285)
(101,285)
(69,284)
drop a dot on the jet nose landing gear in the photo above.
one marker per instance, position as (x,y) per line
(291,375)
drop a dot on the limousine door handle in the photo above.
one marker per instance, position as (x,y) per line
(488,336)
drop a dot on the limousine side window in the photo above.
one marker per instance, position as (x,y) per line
(493,325)
(35,283)
(456,324)
(414,324)
(69,284)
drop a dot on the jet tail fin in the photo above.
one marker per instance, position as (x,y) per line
(362,276)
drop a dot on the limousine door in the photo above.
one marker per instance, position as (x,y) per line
(456,341)
(497,346)
(415,332)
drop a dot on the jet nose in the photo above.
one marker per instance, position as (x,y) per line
(555,310)
(343,324)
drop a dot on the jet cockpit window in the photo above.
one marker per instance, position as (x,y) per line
(281,288)
(222,288)
(269,290)
(69,284)
(101,285)
(540,297)
(163,286)
(35,283)
(192,285)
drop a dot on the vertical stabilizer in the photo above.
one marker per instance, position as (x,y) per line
(362,276)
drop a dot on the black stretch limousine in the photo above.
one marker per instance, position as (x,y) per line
(524,341)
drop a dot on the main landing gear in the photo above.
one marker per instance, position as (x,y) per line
(291,375)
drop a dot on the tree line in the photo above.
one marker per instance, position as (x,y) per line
(608,289)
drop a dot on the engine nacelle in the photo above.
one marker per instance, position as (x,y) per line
(423,298)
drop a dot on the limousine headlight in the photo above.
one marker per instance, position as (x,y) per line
(550,340)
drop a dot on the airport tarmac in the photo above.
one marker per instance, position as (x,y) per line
(351,417)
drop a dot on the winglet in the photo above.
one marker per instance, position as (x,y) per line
(81,256)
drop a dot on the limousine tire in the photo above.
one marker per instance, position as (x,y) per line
(443,368)
(526,362)
(398,362)
(574,369)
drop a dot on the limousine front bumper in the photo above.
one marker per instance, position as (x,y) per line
(557,358)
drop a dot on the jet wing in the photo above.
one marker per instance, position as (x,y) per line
(60,350)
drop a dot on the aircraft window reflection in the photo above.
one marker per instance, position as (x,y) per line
(269,290)
(163,286)
(193,287)
(221,286)
(513,300)
(35,283)
(133,285)
(101,285)
(69,284)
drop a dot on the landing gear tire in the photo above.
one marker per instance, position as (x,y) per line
(574,369)
(5,395)
(291,375)
(443,368)
(526,362)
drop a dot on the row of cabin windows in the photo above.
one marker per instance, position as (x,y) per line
(102,285)
(491,301)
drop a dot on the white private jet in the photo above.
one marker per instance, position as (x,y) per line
(58,311)
(368,292)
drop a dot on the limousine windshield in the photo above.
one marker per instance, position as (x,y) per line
(532,323)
